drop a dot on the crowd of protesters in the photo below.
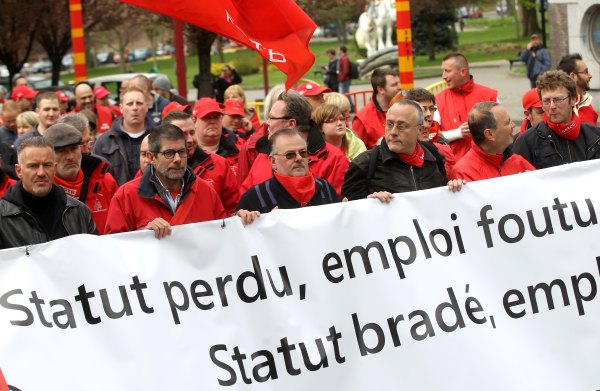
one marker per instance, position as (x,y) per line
(155,160)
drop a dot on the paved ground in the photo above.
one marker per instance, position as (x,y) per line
(494,74)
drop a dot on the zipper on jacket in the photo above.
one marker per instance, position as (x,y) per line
(412,173)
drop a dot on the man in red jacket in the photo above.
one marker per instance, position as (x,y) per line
(84,97)
(489,157)
(211,167)
(455,102)
(368,122)
(167,194)
(325,161)
(84,177)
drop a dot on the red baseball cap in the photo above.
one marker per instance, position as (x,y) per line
(206,106)
(234,107)
(61,96)
(101,92)
(173,106)
(311,89)
(531,99)
(23,92)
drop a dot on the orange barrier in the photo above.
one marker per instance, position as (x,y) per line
(360,98)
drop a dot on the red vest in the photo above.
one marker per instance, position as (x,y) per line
(454,105)
(369,124)
(105,118)
(5,184)
(216,171)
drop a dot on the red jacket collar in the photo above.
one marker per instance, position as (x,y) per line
(492,160)
(466,88)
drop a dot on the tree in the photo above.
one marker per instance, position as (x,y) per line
(202,39)
(333,11)
(54,35)
(529,18)
(19,21)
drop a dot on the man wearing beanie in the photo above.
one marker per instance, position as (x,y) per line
(84,177)
(162,86)
(34,210)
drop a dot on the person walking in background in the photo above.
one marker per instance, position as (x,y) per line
(343,70)
(330,75)
(536,57)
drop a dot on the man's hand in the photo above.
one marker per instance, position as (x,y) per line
(464,129)
(247,216)
(160,227)
(384,196)
(455,185)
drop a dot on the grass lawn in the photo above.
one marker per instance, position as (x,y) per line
(482,40)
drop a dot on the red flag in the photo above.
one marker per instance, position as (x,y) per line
(277,29)
(3,385)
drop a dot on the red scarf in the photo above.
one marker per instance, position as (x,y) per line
(301,188)
(434,132)
(73,188)
(415,159)
(570,130)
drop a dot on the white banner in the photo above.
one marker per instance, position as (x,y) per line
(492,288)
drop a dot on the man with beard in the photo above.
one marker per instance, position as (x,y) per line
(84,177)
(561,137)
(574,66)
(85,99)
(292,185)
(212,168)
(34,210)
(167,194)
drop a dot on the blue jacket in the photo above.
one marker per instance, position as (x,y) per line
(537,60)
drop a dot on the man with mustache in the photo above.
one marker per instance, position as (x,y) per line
(34,210)
(574,66)
(167,194)
(84,177)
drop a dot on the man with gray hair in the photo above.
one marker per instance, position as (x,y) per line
(84,177)
(401,163)
(291,110)
(35,210)
(489,157)
(80,122)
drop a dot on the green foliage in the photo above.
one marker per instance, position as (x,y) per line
(442,34)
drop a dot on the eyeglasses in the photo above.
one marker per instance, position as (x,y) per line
(432,108)
(170,153)
(274,118)
(586,72)
(290,155)
(556,101)
(401,126)
(89,143)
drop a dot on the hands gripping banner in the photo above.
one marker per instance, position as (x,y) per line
(494,287)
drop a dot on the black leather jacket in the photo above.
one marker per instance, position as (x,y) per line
(19,228)
(543,148)
(379,169)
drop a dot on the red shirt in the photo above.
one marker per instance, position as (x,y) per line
(369,124)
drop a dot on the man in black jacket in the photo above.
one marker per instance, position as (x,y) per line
(561,137)
(400,163)
(292,185)
(34,210)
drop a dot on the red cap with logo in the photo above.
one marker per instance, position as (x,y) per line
(101,92)
(206,106)
(531,99)
(61,96)
(173,106)
(23,92)
(311,89)
(234,107)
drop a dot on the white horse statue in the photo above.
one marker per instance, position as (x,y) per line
(385,19)
(365,35)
